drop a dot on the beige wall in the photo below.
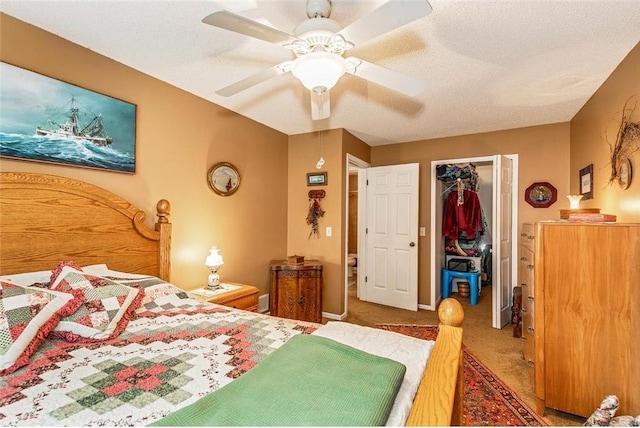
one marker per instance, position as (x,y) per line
(596,124)
(543,155)
(304,151)
(178,137)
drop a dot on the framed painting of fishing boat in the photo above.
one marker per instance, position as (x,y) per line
(47,120)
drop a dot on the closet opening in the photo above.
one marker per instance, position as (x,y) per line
(467,225)
(472,229)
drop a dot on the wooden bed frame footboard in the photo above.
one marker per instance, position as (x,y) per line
(440,395)
(45,219)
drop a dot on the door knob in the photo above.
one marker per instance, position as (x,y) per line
(412,244)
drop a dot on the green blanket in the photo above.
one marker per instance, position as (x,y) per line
(308,381)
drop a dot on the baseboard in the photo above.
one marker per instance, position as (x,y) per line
(263,304)
(331,316)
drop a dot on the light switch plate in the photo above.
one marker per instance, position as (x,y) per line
(423,231)
(328,231)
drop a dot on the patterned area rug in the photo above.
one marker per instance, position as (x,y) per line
(487,400)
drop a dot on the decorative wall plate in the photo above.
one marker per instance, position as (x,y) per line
(541,195)
(624,173)
(223,178)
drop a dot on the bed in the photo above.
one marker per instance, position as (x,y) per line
(158,350)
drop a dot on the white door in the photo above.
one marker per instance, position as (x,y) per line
(502,226)
(391,236)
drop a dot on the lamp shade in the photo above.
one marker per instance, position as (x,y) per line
(574,201)
(319,71)
(214,259)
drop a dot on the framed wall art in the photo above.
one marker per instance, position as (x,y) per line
(223,178)
(624,173)
(46,120)
(586,182)
(317,179)
(541,195)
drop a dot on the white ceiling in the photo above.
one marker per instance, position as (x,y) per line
(489,65)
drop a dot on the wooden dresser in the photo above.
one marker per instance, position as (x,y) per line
(525,272)
(296,290)
(587,316)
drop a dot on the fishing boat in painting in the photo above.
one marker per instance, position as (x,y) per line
(72,127)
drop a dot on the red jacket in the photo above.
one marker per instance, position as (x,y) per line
(465,218)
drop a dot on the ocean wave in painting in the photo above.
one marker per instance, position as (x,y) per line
(62,150)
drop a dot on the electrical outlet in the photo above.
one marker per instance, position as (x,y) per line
(328,231)
(423,231)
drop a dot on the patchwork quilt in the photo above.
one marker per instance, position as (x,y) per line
(175,350)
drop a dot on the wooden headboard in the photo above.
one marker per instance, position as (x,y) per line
(45,219)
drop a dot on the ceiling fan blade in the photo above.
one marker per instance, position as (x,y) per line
(389,16)
(320,105)
(388,78)
(250,81)
(239,24)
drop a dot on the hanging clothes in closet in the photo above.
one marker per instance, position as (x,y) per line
(463,221)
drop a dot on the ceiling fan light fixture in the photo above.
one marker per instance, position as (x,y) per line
(319,71)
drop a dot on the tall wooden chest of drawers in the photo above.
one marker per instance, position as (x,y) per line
(296,290)
(587,322)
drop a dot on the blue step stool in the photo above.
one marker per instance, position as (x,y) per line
(471,277)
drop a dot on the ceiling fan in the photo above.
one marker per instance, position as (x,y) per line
(319,45)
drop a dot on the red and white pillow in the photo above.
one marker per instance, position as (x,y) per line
(27,316)
(74,305)
(107,308)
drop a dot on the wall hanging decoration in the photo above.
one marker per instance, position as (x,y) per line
(315,212)
(47,120)
(541,195)
(626,143)
(624,173)
(317,179)
(223,178)
(586,182)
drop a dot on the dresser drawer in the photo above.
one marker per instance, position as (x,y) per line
(525,271)
(528,347)
(243,297)
(527,235)
(247,303)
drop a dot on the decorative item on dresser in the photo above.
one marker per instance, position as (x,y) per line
(586,318)
(296,290)
(232,294)
(574,208)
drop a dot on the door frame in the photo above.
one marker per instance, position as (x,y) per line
(350,159)
(436,294)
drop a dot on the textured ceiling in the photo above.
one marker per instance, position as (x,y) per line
(489,65)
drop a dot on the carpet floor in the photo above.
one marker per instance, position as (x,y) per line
(488,401)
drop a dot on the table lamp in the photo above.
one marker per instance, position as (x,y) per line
(213,262)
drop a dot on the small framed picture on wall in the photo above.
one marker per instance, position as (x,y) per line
(586,182)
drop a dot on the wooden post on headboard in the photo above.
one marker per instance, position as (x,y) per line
(163,227)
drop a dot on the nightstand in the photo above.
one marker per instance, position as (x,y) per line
(235,295)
